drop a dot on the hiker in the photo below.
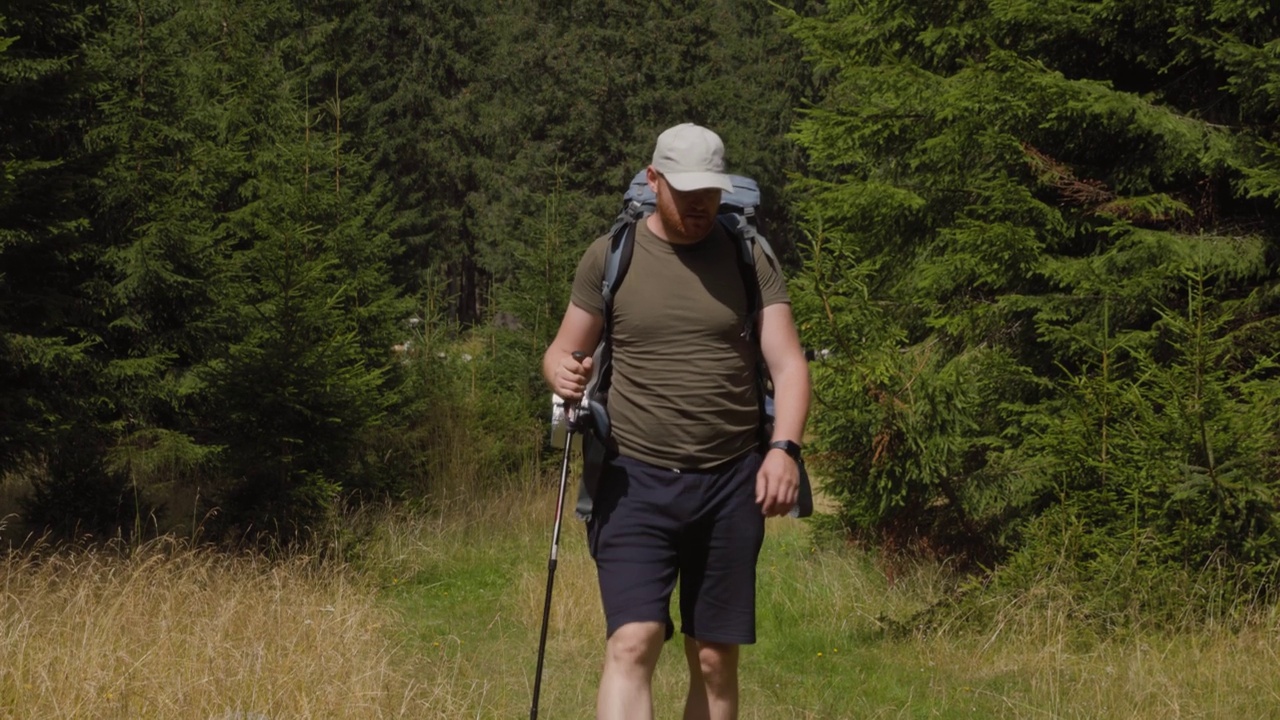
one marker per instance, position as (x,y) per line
(687,484)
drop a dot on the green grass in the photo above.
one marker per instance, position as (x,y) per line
(438,617)
(468,584)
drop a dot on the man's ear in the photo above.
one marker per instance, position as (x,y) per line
(652,175)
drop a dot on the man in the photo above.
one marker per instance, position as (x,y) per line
(686,490)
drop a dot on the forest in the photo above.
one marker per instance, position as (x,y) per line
(264,260)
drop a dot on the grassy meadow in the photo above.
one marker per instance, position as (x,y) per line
(437,616)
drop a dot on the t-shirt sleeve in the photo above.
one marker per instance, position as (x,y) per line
(589,276)
(773,286)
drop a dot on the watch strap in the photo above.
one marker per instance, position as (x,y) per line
(790,447)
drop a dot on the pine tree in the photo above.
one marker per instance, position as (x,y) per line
(493,109)
(1009,204)
(53,398)
(242,306)
(309,312)
(170,114)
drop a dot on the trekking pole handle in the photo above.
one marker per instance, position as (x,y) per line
(573,413)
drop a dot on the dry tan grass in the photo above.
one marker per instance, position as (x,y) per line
(167,631)
(441,620)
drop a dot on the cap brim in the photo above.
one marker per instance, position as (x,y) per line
(690,181)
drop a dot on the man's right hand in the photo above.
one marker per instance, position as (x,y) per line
(579,334)
(571,377)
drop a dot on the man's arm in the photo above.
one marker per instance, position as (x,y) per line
(778,482)
(579,331)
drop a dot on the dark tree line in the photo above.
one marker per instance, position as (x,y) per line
(1039,240)
(217,217)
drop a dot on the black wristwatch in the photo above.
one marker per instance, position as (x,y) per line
(789,447)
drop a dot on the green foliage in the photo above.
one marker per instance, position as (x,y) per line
(474,417)
(234,347)
(1178,455)
(1039,246)
(212,213)
(492,111)
(51,395)
(168,125)
(292,391)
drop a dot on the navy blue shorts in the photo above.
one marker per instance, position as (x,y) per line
(652,525)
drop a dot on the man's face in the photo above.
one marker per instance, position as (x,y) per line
(686,217)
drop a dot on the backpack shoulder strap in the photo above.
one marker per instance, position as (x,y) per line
(622,241)
(744,235)
(744,227)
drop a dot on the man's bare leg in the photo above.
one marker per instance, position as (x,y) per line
(713,681)
(630,656)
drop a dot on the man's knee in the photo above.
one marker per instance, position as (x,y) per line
(718,662)
(636,644)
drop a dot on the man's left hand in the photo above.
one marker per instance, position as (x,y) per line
(777,483)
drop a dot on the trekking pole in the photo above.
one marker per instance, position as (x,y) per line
(571,426)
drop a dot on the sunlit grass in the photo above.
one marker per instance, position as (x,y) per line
(437,616)
(167,631)
(469,584)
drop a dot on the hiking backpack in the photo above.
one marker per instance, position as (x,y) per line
(737,215)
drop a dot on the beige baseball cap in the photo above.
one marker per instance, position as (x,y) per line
(691,157)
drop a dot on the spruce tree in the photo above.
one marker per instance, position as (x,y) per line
(170,115)
(1015,211)
(493,110)
(236,314)
(309,310)
(54,401)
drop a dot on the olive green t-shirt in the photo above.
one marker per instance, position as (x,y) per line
(683,391)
